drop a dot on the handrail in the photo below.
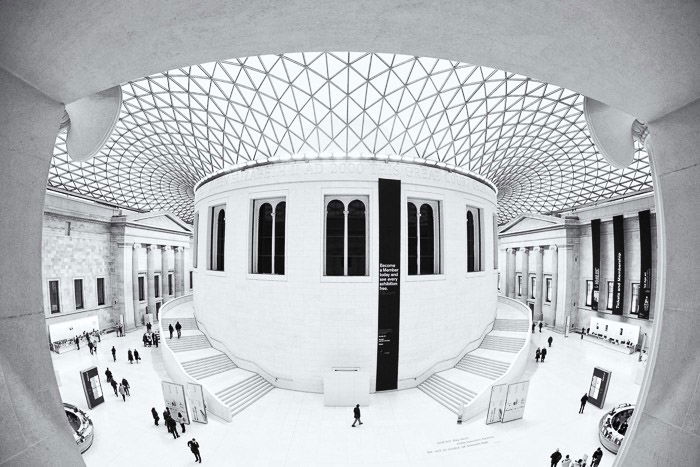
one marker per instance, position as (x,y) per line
(461,352)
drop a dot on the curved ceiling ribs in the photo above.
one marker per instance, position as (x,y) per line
(529,138)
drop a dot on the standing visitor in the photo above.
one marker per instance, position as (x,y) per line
(166,417)
(543,354)
(130,356)
(538,352)
(194,447)
(597,456)
(566,462)
(114,386)
(584,399)
(178,328)
(77,342)
(154,413)
(114,353)
(181,421)
(583,331)
(556,457)
(125,383)
(171,329)
(156,337)
(533,327)
(540,326)
(136,356)
(173,427)
(90,347)
(122,391)
(356,413)
(108,374)
(148,327)
(550,340)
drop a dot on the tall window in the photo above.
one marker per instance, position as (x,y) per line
(217,231)
(170,283)
(548,289)
(589,293)
(609,304)
(142,289)
(78,289)
(269,217)
(635,299)
(156,286)
(191,282)
(498,283)
(520,285)
(533,283)
(423,237)
(473,239)
(346,236)
(100,291)
(195,241)
(54,299)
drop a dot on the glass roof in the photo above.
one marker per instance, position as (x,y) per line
(528,137)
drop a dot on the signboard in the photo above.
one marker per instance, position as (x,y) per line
(92,387)
(619,265)
(644,302)
(599,387)
(497,404)
(515,401)
(389,284)
(174,396)
(595,252)
(196,397)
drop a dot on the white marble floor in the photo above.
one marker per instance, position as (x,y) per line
(404,428)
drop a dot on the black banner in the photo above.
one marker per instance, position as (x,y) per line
(619,265)
(595,242)
(389,284)
(644,298)
(598,390)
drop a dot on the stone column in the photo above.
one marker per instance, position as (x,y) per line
(179,271)
(151,277)
(539,282)
(164,268)
(525,268)
(135,282)
(558,324)
(511,276)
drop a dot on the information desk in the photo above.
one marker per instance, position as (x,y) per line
(83,430)
(613,426)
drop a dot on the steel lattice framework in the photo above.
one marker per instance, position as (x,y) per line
(528,137)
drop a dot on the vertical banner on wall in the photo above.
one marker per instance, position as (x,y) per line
(497,403)
(196,397)
(174,396)
(92,387)
(599,387)
(389,291)
(619,265)
(515,401)
(595,250)
(644,301)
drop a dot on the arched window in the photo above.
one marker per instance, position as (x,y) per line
(217,234)
(269,236)
(474,251)
(423,237)
(346,236)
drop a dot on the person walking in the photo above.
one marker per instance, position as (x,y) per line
(550,340)
(178,328)
(148,327)
(181,421)
(166,417)
(130,356)
(114,353)
(114,386)
(125,383)
(154,413)
(90,347)
(556,457)
(583,331)
(156,338)
(584,399)
(77,342)
(171,329)
(543,354)
(122,391)
(538,352)
(533,327)
(566,462)
(540,326)
(136,356)
(108,374)
(596,457)
(356,414)
(194,447)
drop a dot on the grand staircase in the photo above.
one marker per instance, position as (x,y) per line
(483,366)
(187,343)
(449,394)
(239,396)
(502,344)
(201,368)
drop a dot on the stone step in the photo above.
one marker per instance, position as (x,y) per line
(251,400)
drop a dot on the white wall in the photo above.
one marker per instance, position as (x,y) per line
(300,325)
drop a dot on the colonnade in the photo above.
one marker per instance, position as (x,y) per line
(539,294)
(178,274)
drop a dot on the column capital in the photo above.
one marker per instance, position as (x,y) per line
(151,247)
(165,247)
(539,249)
(509,250)
(524,249)
(553,247)
(137,246)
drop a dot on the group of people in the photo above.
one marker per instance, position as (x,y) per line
(170,423)
(150,339)
(568,462)
(535,324)
(131,356)
(178,328)
(123,387)
(120,330)
(92,345)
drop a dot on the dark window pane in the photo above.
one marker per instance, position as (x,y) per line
(100,291)
(78,287)
(142,289)
(335,231)
(356,238)
(54,297)
(427,240)
(170,283)
(191,283)
(470,242)
(220,235)
(280,216)
(156,286)
(412,239)
(265,239)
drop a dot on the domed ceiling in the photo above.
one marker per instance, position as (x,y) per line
(528,137)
